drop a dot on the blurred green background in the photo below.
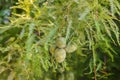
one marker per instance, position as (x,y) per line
(28,29)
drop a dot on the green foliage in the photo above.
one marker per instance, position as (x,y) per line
(34,27)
